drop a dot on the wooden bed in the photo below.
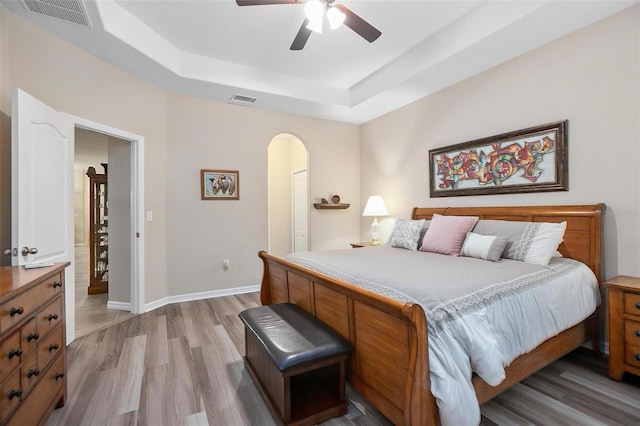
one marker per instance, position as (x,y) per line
(389,364)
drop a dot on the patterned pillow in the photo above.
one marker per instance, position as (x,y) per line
(406,233)
(539,242)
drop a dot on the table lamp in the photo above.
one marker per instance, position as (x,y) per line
(375,207)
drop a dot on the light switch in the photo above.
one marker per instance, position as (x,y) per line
(149,215)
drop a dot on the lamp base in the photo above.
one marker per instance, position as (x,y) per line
(375,242)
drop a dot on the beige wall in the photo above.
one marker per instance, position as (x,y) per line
(590,77)
(188,238)
(212,135)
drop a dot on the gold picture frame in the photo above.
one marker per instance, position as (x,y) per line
(219,184)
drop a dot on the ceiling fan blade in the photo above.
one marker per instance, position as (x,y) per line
(359,25)
(264,2)
(301,37)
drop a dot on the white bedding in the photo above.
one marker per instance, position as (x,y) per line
(481,314)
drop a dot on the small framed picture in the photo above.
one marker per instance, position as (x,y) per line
(219,184)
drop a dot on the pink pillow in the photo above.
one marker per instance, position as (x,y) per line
(447,233)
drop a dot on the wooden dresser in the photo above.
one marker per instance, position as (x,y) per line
(623,315)
(32,344)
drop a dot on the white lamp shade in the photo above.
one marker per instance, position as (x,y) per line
(375,207)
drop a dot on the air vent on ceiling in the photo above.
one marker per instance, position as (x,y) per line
(71,11)
(244,100)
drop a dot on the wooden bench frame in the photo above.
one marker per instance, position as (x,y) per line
(300,395)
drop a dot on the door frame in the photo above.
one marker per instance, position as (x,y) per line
(293,208)
(137,206)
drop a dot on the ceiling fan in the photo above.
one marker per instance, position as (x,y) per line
(316,11)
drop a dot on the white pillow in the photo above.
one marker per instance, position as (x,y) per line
(539,242)
(487,247)
(406,234)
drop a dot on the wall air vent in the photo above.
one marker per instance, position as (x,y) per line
(243,100)
(71,11)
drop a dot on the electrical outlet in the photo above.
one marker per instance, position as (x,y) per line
(226,264)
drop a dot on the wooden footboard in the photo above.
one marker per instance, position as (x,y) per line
(389,365)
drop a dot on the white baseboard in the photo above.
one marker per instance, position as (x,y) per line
(199,296)
(120,306)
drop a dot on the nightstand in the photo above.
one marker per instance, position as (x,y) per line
(623,316)
(358,245)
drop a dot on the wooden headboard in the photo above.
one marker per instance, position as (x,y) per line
(582,239)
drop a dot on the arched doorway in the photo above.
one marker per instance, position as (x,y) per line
(288,198)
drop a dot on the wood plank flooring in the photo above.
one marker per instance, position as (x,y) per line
(182,365)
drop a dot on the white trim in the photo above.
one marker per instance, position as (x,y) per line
(119,306)
(137,194)
(188,297)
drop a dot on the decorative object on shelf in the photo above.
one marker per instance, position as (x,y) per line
(375,207)
(529,160)
(219,184)
(334,205)
(98,231)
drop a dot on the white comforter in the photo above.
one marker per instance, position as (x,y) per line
(481,315)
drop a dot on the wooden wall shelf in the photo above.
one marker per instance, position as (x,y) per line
(331,206)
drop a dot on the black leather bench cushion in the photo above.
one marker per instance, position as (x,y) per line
(291,336)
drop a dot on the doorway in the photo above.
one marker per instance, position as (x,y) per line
(126,163)
(288,200)
(102,183)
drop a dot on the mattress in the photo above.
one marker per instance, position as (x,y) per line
(480,314)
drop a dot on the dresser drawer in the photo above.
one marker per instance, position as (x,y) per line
(49,317)
(29,373)
(632,332)
(632,303)
(25,304)
(632,355)
(29,337)
(50,346)
(10,353)
(43,396)
(10,387)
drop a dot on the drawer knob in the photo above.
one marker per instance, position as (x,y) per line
(637,333)
(13,393)
(52,317)
(638,305)
(32,372)
(33,336)
(14,352)
(53,347)
(637,356)
(56,284)
(19,310)
(59,376)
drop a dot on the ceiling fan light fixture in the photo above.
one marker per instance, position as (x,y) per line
(314,10)
(316,25)
(335,17)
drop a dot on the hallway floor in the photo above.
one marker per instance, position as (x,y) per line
(91,310)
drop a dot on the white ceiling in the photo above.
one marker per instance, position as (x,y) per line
(215,49)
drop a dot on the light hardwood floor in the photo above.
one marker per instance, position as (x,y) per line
(182,365)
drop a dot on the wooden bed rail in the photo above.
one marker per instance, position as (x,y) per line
(383,331)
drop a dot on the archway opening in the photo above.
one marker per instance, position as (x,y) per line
(288,197)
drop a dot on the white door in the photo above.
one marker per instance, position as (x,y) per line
(300,212)
(42,188)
